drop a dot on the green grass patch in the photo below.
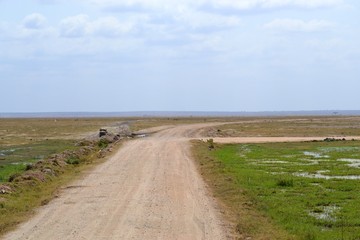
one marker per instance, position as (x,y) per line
(15,158)
(36,150)
(310,190)
(8,170)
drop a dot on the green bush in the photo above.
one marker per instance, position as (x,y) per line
(103,143)
(73,161)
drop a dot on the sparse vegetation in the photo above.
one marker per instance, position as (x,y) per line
(307,190)
(210,143)
(103,143)
(289,127)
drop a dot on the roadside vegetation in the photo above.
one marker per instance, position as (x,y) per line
(307,190)
(39,156)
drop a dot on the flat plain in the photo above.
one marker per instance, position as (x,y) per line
(248,188)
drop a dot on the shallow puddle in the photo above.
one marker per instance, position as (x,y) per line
(315,155)
(338,149)
(273,161)
(355,163)
(320,175)
(5,152)
(325,213)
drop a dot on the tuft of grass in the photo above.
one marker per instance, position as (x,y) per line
(285,182)
(73,161)
(103,143)
(210,143)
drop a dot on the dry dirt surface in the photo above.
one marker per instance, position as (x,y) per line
(150,189)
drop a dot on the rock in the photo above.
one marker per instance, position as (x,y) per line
(117,138)
(5,189)
(48,171)
(102,132)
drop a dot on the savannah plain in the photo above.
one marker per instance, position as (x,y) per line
(180,178)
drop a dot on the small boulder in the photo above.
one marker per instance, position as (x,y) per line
(5,189)
(103,132)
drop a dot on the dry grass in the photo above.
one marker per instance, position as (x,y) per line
(145,123)
(289,127)
(23,131)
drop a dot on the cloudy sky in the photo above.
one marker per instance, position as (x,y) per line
(184,55)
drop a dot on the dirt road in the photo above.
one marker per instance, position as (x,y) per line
(150,189)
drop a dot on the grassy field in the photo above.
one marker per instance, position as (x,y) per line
(308,190)
(289,127)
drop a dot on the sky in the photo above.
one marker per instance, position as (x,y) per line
(184,55)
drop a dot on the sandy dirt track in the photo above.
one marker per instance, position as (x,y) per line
(150,189)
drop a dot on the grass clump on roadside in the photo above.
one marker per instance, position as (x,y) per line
(308,190)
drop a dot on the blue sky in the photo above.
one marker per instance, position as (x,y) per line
(165,55)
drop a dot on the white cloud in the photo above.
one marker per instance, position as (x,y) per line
(197,19)
(110,26)
(235,4)
(298,25)
(75,26)
(81,25)
(34,21)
